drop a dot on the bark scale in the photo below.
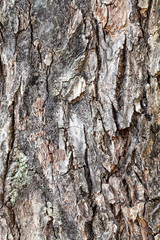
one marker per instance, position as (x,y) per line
(80,119)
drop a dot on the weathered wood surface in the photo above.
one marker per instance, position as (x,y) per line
(79,119)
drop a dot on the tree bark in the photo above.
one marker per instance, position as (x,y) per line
(80,119)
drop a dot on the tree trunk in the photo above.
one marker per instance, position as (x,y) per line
(80,119)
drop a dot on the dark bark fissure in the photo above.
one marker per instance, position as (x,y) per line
(11,142)
(144,105)
(114,111)
(30,20)
(98,58)
(88,225)
(2,79)
(12,134)
(121,76)
(11,137)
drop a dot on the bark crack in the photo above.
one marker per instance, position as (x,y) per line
(30,20)
(11,137)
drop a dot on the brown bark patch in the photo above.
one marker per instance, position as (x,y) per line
(117,17)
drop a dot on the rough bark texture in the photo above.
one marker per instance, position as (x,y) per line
(79,119)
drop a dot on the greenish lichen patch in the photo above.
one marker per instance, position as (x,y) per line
(18,176)
(3,19)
